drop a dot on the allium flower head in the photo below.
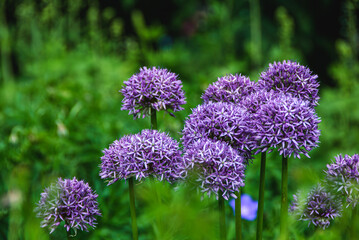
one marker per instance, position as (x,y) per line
(220,121)
(147,153)
(291,77)
(288,124)
(249,207)
(152,88)
(230,88)
(255,100)
(343,177)
(319,208)
(217,166)
(71,201)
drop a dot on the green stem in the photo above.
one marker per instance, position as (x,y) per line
(255,31)
(153,119)
(133,209)
(222,217)
(158,223)
(261,197)
(237,210)
(284,201)
(354,223)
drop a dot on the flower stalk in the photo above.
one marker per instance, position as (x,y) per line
(153,119)
(238,216)
(133,208)
(284,200)
(261,197)
(222,217)
(354,223)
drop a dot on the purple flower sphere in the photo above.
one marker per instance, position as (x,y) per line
(255,100)
(249,207)
(319,208)
(291,77)
(342,177)
(147,153)
(230,88)
(152,88)
(217,166)
(288,124)
(220,121)
(71,201)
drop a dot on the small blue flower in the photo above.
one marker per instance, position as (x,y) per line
(249,207)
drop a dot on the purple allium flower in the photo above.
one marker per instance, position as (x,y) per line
(152,88)
(217,166)
(255,100)
(291,77)
(288,124)
(71,201)
(147,153)
(343,177)
(220,121)
(318,208)
(249,207)
(230,88)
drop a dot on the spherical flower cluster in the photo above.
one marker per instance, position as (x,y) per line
(342,177)
(220,121)
(288,124)
(152,88)
(255,100)
(71,201)
(291,77)
(319,208)
(147,153)
(230,88)
(218,167)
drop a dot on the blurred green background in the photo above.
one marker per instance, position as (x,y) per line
(63,62)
